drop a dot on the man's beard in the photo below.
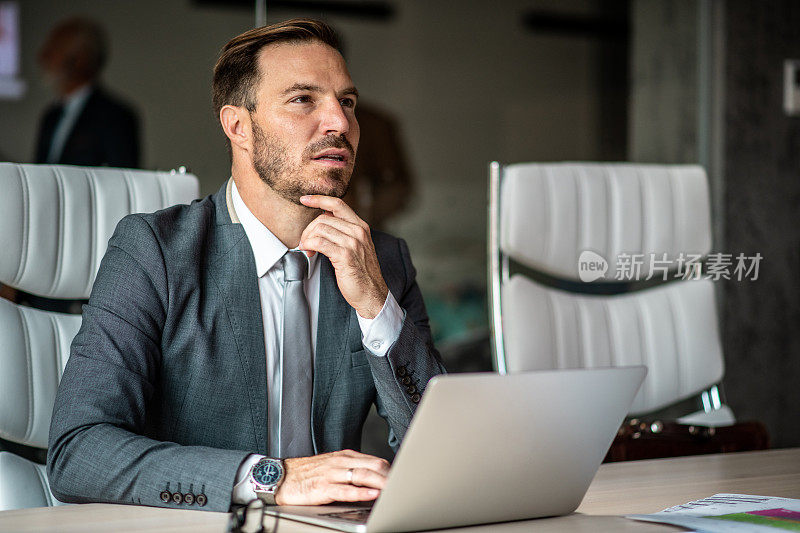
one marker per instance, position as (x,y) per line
(271,161)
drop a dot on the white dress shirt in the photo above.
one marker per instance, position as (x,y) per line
(378,334)
(72,107)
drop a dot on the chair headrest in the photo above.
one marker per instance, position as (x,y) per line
(551,213)
(56,220)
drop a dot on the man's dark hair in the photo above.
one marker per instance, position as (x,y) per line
(236,74)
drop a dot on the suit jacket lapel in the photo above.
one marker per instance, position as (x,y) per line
(232,268)
(333,326)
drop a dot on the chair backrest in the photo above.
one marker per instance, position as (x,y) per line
(23,484)
(56,224)
(543,217)
(57,220)
(34,347)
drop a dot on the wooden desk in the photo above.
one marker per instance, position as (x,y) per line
(618,489)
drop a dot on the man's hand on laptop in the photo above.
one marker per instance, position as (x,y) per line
(344,476)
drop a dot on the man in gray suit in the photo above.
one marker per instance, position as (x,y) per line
(233,347)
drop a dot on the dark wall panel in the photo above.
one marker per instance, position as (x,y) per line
(762,172)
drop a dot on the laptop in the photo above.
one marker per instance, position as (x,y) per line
(486,448)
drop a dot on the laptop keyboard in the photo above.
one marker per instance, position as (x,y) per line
(356,515)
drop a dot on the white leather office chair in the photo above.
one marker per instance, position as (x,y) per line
(56,222)
(543,216)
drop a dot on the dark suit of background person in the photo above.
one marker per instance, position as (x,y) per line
(105,133)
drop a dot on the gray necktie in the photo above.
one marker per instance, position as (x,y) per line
(297,362)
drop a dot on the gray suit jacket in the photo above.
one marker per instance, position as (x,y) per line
(165,387)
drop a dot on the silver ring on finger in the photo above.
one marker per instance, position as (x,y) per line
(350,476)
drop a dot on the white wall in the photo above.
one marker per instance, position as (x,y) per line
(469,83)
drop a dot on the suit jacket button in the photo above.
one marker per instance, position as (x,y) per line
(401,371)
(201,499)
(165,496)
(411,390)
(177,498)
(416,398)
(188,498)
(406,380)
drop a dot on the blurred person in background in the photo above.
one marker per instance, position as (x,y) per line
(86,125)
(382,182)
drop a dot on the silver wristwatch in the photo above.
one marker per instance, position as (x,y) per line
(266,476)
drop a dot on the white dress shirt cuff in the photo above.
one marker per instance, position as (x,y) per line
(243,491)
(379,333)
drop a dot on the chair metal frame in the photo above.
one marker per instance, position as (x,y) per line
(498,269)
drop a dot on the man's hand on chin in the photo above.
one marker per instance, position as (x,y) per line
(345,239)
(345,476)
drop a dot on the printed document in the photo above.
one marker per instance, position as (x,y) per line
(731,513)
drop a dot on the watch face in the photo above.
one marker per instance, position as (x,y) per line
(267,472)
